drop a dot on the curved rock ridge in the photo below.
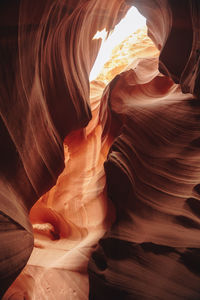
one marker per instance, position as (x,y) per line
(47,52)
(174,29)
(127,154)
(152,175)
(37,97)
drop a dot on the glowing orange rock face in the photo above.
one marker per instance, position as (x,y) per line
(76,212)
(77,203)
(147,133)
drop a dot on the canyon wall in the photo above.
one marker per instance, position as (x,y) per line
(115,166)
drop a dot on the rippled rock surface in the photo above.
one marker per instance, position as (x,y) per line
(152,175)
(100,173)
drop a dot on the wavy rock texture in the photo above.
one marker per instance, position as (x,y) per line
(129,158)
(44,96)
(152,175)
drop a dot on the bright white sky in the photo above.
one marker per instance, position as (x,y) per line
(129,24)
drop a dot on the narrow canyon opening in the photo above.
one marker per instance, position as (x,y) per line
(120,48)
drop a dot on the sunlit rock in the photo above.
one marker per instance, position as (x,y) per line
(103,171)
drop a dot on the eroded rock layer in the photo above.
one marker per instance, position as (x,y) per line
(129,158)
(152,175)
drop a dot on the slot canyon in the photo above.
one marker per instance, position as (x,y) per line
(100,169)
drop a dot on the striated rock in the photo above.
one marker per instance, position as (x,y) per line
(44,96)
(127,153)
(174,28)
(152,174)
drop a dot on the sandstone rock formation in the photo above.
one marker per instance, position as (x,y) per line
(127,152)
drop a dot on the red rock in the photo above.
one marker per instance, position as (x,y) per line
(123,165)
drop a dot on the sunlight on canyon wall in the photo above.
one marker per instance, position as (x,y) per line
(126,27)
(75,213)
(108,143)
(125,55)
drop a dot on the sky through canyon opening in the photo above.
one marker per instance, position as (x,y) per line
(126,33)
